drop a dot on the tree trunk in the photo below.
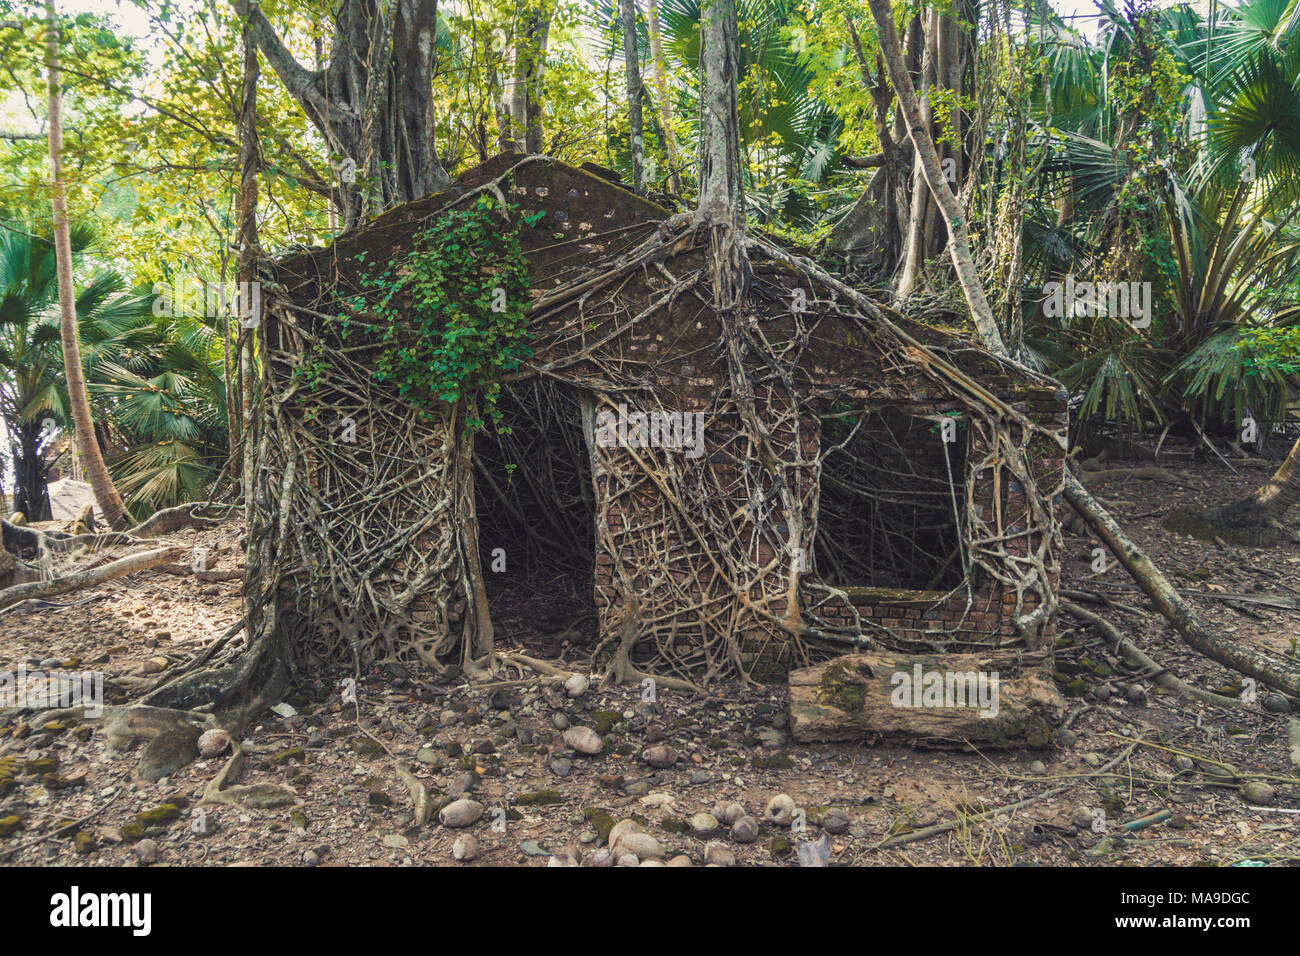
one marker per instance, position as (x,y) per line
(958,244)
(663,98)
(1268,504)
(374,100)
(31,492)
(248,163)
(633,66)
(1238,656)
(721,187)
(110,502)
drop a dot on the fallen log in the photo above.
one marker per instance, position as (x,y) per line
(1245,660)
(84,579)
(962,701)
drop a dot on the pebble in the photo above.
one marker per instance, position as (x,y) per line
(745,830)
(560,722)
(835,821)
(660,756)
(1258,793)
(576,685)
(311,858)
(719,854)
(643,845)
(584,740)
(146,851)
(465,848)
(601,857)
(1081,818)
(461,813)
(680,859)
(780,810)
(1277,704)
(731,813)
(562,767)
(1038,767)
(1136,694)
(704,824)
(1067,738)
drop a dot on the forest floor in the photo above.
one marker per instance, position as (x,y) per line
(503,745)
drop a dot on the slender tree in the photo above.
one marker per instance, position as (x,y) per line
(248,163)
(92,457)
(928,158)
(634,94)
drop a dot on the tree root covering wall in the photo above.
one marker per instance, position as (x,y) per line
(705,557)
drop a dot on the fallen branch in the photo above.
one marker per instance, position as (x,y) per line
(1163,677)
(84,579)
(1244,660)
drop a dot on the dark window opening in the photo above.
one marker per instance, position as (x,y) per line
(888,515)
(536,512)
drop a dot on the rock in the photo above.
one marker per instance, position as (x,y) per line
(1136,694)
(1258,793)
(660,756)
(1037,766)
(461,813)
(533,848)
(628,859)
(731,813)
(1092,759)
(1067,738)
(745,830)
(621,829)
(719,854)
(584,740)
(427,755)
(311,858)
(560,722)
(1277,704)
(1184,763)
(601,857)
(835,821)
(1081,818)
(576,685)
(643,845)
(213,743)
(704,824)
(779,810)
(146,851)
(465,848)
(562,767)
(395,841)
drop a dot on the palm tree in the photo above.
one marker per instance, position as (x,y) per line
(30,359)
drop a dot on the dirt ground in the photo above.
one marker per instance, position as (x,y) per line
(1127,750)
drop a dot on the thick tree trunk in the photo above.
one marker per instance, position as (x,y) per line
(632,64)
(110,502)
(373,103)
(721,187)
(919,132)
(1270,503)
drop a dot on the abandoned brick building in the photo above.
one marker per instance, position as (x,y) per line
(842,477)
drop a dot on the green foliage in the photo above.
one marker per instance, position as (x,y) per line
(451,316)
